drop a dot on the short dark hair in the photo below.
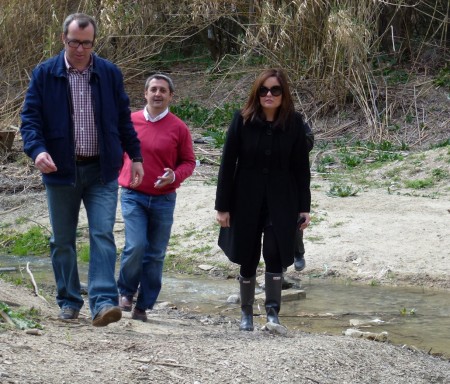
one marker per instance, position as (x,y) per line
(160,76)
(83,21)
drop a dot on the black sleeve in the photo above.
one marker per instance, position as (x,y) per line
(309,136)
(228,165)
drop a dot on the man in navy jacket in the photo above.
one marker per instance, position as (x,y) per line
(75,126)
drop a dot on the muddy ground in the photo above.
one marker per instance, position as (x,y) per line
(375,236)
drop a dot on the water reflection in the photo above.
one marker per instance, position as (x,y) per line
(411,316)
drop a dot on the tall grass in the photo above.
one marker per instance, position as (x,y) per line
(328,47)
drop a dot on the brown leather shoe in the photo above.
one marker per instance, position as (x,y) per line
(139,314)
(68,313)
(125,303)
(108,314)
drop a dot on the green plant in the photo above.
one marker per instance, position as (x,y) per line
(202,249)
(351,160)
(441,144)
(405,312)
(190,112)
(13,280)
(383,156)
(396,76)
(419,183)
(337,190)
(21,220)
(315,238)
(84,252)
(218,135)
(443,77)
(22,319)
(33,242)
(182,264)
(409,119)
(440,174)
(327,160)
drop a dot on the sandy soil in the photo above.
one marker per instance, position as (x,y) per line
(371,237)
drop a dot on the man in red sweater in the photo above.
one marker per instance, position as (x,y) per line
(147,210)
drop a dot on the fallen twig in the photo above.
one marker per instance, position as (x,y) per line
(11,210)
(36,290)
(6,318)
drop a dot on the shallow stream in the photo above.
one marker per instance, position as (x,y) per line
(411,316)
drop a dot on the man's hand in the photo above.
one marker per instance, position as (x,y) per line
(44,163)
(166,179)
(137,174)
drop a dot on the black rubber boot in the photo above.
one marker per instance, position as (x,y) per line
(274,282)
(247,288)
(299,261)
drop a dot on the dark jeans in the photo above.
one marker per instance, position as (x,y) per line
(100,202)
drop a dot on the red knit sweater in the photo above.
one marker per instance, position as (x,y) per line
(166,143)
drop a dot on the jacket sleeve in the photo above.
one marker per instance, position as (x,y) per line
(31,127)
(128,136)
(227,170)
(185,157)
(302,167)
(309,136)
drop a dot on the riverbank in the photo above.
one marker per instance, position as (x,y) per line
(374,238)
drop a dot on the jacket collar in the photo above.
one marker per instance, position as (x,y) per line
(59,68)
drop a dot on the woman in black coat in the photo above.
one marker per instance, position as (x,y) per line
(263,187)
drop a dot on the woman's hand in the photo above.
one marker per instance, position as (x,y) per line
(223,218)
(306,221)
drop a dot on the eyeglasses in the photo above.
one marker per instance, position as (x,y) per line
(274,91)
(76,43)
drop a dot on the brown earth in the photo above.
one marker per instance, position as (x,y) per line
(386,234)
(373,236)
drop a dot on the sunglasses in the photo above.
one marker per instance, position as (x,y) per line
(274,91)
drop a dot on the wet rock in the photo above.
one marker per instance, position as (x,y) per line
(362,322)
(165,304)
(233,299)
(206,267)
(83,288)
(356,333)
(34,332)
(275,328)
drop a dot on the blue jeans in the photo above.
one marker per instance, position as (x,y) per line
(100,202)
(148,222)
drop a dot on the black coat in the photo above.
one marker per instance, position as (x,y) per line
(262,164)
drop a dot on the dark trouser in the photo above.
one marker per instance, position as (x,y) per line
(299,245)
(271,255)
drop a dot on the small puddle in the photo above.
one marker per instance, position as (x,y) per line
(411,316)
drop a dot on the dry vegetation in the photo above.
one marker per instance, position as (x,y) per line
(372,59)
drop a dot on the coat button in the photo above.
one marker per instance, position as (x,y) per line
(267,152)
(265,171)
(268,132)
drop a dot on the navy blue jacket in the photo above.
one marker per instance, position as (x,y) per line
(47,124)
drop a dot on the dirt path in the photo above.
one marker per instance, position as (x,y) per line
(374,236)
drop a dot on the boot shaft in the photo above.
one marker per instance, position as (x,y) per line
(247,290)
(274,282)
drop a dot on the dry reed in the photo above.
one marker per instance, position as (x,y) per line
(327,46)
